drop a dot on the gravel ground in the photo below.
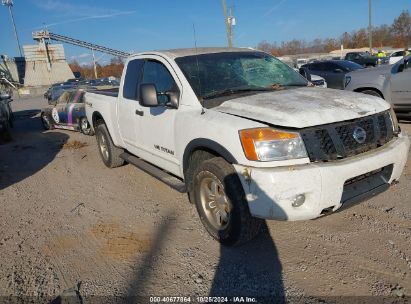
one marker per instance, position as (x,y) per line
(68,222)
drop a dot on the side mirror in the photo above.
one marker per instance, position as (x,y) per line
(148,95)
(338,71)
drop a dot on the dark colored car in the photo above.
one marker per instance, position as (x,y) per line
(364,59)
(6,116)
(333,71)
(68,113)
(55,91)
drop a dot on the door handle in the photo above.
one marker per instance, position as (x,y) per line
(141,113)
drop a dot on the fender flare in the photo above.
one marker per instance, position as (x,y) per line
(206,144)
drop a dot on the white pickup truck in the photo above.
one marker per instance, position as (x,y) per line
(247,137)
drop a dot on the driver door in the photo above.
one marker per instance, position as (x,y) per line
(129,124)
(157,123)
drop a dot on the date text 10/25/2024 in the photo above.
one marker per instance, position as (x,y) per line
(203,300)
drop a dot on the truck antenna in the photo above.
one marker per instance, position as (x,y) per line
(198,70)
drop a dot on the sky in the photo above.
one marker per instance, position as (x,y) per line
(140,25)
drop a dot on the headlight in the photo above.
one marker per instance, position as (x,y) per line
(266,144)
(395,125)
(347,81)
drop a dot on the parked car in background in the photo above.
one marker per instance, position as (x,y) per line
(397,56)
(6,116)
(363,58)
(391,82)
(67,113)
(333,71)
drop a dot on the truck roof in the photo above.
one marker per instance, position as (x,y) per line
(175,53)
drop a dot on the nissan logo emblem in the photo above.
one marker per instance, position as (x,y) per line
(359,135)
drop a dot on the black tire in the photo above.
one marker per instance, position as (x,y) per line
(372,92)
(85,127)
(46,122)
(110,154)
(240,227)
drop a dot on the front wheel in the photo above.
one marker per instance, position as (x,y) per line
(220,201)
(110,154)
(85,127)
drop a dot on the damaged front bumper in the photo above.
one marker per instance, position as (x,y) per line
(309,191)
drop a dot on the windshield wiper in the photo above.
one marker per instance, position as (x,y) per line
(233,91)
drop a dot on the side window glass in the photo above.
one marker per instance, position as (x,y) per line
(77,97)
(64,98)
(331,67)
(132,79)
(321,67)
(313,67)
(155,72)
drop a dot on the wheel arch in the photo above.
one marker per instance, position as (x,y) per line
(198,150)
(209,146)
(362,89)
(96,117)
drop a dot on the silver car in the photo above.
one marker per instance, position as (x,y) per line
(391,82)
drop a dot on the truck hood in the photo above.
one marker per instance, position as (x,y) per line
(303,107)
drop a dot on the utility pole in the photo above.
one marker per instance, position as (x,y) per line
(94,63)
(9,4)
(229,22)
(369,26)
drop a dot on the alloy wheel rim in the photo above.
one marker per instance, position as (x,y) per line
(103,147)
(215,203)
(84,125)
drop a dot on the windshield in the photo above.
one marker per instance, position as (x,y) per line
(211,74)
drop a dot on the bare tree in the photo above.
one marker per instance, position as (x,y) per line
(402,29)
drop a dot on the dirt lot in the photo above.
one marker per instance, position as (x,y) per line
(66,220)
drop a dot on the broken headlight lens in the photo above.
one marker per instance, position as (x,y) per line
(395,126)
(266,144)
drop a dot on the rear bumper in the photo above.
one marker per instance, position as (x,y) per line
(326,187)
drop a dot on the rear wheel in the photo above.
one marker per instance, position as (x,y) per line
(85,127)
(45,121)
(372,92)
(110,154)
(220,201)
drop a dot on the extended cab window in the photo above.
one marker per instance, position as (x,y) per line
(132,79)
(156,73)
